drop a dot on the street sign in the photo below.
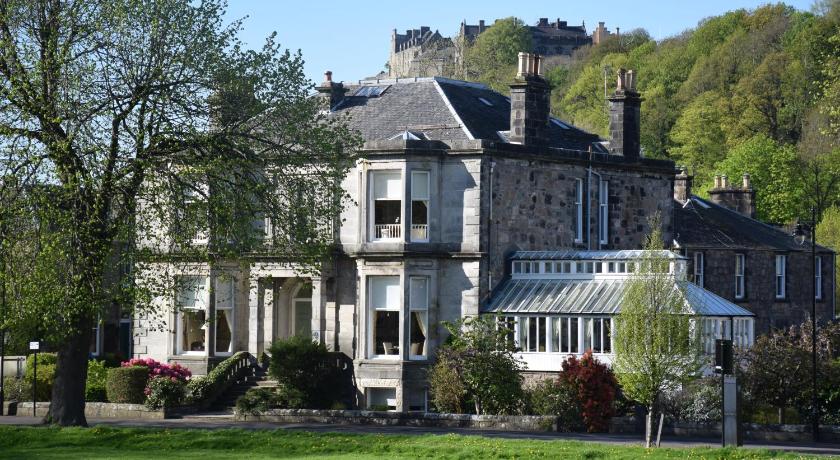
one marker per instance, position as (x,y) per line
(34,346)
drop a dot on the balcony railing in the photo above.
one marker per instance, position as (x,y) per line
(419,232)
(387,231)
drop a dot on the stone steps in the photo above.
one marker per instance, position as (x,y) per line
(227,401)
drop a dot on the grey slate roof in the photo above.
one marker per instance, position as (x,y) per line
(593,297)
(444,109)
(701,223)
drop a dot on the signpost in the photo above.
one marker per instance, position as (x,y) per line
(34,347)
(724,365)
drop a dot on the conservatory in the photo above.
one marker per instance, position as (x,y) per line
(560,303)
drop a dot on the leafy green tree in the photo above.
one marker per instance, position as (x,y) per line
(773,175)
(828,234)
(656,349)
(699,136)
(123,107)
(492,58)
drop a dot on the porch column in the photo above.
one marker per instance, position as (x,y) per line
(318,313)
(210,325)
(267,311)
(254,323)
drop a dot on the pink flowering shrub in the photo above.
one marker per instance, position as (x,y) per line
(158,369)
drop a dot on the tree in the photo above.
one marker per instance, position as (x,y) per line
(478,362)
(492,58)
(773,169)
(124,106)
(699,136)
(828,234)
(656,349)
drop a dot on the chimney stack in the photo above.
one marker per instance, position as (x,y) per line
(530,99)
(331,92)
(739,199)
(682,186)
(625,116)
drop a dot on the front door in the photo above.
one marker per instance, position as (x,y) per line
(302,315)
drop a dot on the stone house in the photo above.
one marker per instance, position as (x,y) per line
(760,267)
(455,181)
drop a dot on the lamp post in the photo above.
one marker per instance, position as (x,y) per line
(800,237)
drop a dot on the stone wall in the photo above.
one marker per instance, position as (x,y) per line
(98,410)
(760,285)
(534,206)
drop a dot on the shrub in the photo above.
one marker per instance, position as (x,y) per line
(303,366)
(96,380)
(43,358)
(483,359)
(127,384)
(697,402)
(596,388)
(45,377)
(160,369)
(13,389)
(447,390)
(164,391)
(204,390)
(558,398)
(256,401)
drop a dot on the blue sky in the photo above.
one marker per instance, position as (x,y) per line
(352,38)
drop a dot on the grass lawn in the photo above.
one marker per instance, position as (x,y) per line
(142,443)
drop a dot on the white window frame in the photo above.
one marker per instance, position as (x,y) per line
(589,323)
(818,278)
(222,304)
(699,268)
(525,321)
(193,196)
(424,312)
(603,212)
(417,176)
(372,205)
(578,210)
(740,276)
(293,316)
(371,312)
(781,276)
(204,299)
(742,332)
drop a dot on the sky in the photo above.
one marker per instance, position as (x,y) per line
(352,38)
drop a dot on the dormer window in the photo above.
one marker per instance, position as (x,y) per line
(386,205)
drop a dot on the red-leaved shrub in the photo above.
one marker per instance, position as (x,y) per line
(596,388)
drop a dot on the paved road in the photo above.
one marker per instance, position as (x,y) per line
(222,421)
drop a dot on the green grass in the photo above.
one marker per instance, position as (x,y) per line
(142,443)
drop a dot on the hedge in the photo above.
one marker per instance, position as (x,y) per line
(127,384)
(202,391)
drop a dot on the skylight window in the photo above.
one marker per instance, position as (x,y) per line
(370,91)
(559,123)
(485,102)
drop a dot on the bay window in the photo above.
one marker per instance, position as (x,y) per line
(742,332)
(419,313)
(224,315)
(386,205)
(419,206)
(384,295)
(781,276)
(191,303)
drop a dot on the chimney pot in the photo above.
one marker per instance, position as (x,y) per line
(328,76)
(738,199)
(625,117)
(724,181)
(529,102)
(746,183)
(682,186)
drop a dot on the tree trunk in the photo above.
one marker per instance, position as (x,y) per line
(648,426)
(68,396)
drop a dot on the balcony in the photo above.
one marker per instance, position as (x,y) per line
(419,232)
(387,231)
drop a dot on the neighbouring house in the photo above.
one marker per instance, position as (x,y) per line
(455,188)
(760,267)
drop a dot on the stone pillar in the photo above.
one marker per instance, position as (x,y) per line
(269,301)
(210,331)
(318,311)
(254,321)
